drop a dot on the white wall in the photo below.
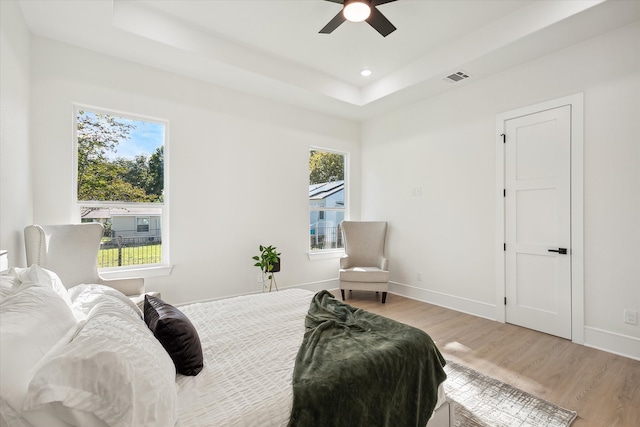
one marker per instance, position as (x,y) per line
(225,145)
(16,207)
(446,146)
(237,165)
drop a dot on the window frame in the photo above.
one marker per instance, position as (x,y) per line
(330,252)
(163,268)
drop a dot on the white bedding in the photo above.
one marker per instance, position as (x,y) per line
(249,344)
(82,357)
(49,364)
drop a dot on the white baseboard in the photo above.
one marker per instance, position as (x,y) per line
(318,286)
(612,342)
(312,286)
(464,305)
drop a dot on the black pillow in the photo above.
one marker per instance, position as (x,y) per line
(176,334)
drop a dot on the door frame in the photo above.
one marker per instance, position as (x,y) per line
(576,102)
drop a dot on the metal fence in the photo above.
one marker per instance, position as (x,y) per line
(118,251)
(121,251)
(321,238)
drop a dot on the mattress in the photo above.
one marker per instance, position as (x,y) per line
(249,345)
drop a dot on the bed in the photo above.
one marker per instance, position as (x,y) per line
(81,348)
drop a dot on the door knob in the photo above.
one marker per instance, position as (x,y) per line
(561,251)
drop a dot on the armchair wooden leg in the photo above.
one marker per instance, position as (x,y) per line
(342,292)
(384,297)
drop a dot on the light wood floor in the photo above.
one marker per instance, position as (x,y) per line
(603,388)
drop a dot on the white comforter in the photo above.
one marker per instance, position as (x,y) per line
(249,345)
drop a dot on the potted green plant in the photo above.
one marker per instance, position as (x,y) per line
(269,262)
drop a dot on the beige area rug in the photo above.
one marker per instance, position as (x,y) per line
(482,401)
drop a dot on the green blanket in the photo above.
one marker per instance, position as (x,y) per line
(356,368)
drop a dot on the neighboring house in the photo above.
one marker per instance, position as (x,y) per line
(326,202)
(133,225)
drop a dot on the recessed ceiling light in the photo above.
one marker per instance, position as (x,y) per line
(365,73)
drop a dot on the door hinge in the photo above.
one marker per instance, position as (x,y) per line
(504,192)
(504,138)
(505,246)
(505,300)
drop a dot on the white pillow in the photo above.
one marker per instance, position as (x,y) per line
(9,417)
(84,297)
(33,322)
(9,283)
(114,370)
(38,276)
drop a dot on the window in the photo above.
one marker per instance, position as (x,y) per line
(142,225)
(120,182)
(327,187)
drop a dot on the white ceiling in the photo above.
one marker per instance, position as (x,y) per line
(272,48)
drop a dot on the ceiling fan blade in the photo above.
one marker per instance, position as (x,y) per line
(375,2)
(381,24)
(334,23)
(342,1)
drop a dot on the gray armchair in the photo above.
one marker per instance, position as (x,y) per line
(364,266)
(71,251)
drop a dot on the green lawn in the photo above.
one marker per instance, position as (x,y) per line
(135,255)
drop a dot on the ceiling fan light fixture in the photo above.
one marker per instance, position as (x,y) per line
(366,10)
(356,10)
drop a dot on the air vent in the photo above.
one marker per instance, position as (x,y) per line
(456,77)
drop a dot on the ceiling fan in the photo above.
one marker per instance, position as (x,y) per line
(358,11)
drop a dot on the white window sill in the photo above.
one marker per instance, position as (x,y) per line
(329,254)
(142,271)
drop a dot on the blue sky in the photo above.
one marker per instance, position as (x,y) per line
(144,138)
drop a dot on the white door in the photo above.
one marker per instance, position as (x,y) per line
(538,221)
